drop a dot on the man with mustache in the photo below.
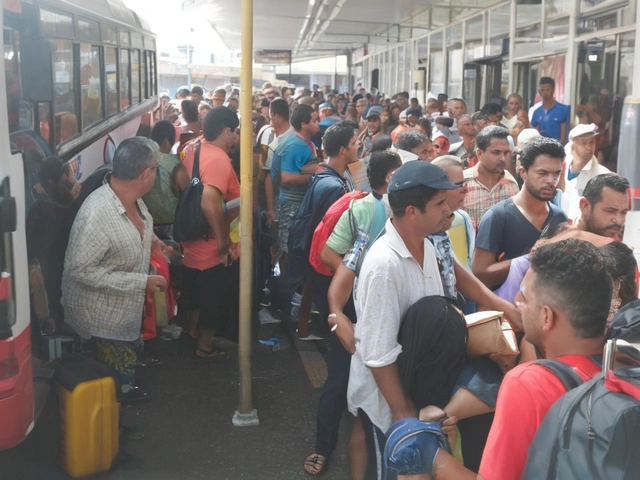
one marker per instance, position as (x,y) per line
(489,182)
(604,205)
(510,228)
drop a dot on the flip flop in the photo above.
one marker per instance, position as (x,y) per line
(202,353)
(313,461)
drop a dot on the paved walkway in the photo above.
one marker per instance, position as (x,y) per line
(187,427)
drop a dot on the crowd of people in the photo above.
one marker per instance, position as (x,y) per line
(396,220)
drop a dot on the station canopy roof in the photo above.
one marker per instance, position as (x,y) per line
(322,28)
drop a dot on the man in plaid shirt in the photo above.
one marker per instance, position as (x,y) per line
(489,182)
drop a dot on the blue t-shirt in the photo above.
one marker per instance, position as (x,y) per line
(505,229)
(290,156)
(548,122)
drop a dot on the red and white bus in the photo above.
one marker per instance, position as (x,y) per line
(79,77)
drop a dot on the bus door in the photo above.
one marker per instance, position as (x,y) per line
(16,371)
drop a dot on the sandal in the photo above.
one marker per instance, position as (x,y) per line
(315,464)
(202,353)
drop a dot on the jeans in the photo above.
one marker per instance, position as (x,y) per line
(333,400)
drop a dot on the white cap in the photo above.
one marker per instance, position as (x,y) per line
(583,129)
(527,134)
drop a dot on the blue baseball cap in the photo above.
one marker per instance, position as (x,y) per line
(412,446)
(418,172)
(413,111)
(325,105)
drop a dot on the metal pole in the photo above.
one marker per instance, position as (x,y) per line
(246,415)
(512,45)
(571,60)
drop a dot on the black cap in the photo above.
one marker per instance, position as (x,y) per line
(413,111)
(419,172)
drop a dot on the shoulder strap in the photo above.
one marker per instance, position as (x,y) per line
(569,378)
(195,171)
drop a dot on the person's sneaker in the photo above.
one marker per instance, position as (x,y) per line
(265,317)
(311,337)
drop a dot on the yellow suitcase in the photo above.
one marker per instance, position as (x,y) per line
(89,415)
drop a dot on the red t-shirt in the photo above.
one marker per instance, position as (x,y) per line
(526,395)
(215,170)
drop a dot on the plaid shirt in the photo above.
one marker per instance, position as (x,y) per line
(106,269)
(479,198)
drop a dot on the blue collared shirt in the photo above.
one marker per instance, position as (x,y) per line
(548,122)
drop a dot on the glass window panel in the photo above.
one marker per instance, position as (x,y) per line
(136,40)
(20,112)
(394,71)
(56,24)
(528,30)
(90,84)
(437,65)
(455,73)
(109,34)
(423,51)
(499,19)
(401,69)
(135,76)
(473,47)
(557,35)
(111,65)
(44,115)
(597,23)
(124,78)
(556,8)
(625,76)
(64,98)
(409,66)
(154,74)
(144,76)
(88,31)
(455,64)
(124,38)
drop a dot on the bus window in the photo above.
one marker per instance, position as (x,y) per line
(20,113)
(111,64)
(152,63)
(64,103)
(124,78)
(135,76)
(144,88)
(44,116)
(90,84)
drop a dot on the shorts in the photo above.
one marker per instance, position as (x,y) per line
(214,292)
(286,212)
(122,357)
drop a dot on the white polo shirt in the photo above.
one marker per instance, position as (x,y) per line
(390,282)
(574,188)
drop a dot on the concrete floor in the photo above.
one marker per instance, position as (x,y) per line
(187,426)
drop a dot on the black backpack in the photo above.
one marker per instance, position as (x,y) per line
(593,431)
(190,223)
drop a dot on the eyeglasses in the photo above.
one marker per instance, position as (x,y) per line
(460,184)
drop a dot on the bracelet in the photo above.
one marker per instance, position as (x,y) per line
(335,327)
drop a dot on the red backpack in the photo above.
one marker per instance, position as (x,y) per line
(326,226)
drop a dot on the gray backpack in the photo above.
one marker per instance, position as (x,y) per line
(593,431)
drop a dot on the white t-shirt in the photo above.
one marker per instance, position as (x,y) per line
(269,142)
(390,282)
